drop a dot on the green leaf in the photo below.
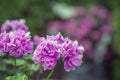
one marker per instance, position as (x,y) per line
(28,57)
(18,76)
(33,67)
(20,62)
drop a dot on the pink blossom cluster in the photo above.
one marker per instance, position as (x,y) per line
(88,26)
(17,41)
(53,48)
(14,25)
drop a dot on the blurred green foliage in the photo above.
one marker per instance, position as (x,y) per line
(35,12)
(116,70)
(24,65)
(116,39)
(17,77)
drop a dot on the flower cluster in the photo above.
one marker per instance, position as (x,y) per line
(88,29)
(14,25)
(17,42)
(72,55)
(20,43)
(52,48)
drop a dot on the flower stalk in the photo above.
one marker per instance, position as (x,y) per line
(38,73)
(14,66)
(50,74)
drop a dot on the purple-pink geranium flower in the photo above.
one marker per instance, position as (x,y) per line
(16,43)
(21,44)
(14,25)
(52,48)
(46,54)
(73,54)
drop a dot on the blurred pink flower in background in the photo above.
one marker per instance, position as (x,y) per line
(80,11)
(101,12)
(88,26)
(69,27)
(88,47)
(36,40)
(96,35)
(57,25)
(106,29)
(84,27)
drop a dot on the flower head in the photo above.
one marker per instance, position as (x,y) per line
(52,48)
(16,43)
(46,53)
(72,55)
(20,44)
(14,25)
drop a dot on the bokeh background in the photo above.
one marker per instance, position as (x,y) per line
(94,23)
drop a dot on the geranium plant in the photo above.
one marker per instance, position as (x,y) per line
(20,59)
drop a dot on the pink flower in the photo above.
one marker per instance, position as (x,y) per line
(70,26)
(52,48)
(57,25)
(72,55)
(96,35)
(101,12)
(14,25)
(46,54)
(106,28)
(16,43)
(80,11)
(36,40)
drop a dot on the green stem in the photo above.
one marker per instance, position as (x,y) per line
(14,66)
(38,74)
(50,74)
